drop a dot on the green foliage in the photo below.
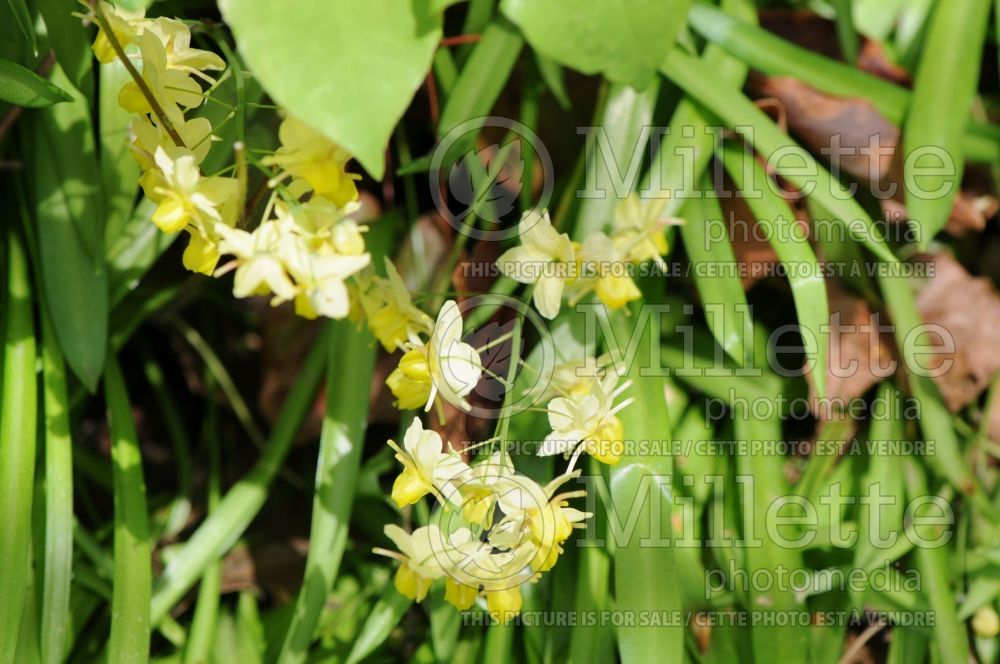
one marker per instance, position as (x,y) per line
(23,87)
(224,433)
(350,74)
(68,209)
(626,40)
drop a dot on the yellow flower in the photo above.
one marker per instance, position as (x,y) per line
(175,37)
(261,269)
(147,135)
(455,366)
(391,315)
(172,88)
(427,468)
(573,378)
(305,153)
(588,423)
(479,489)
(544,258)
(202,253)
(504,604)
(321,281)
(420,561)
(616,291)
(638,229)
(443,366)
(540,517)
(459,595)
(605,271)
(986,623)
(185,197)
(410,381)
(322,223)
(125,31)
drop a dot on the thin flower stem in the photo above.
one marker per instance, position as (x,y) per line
(490,344)
(139,80)
(241,180)
(505,412)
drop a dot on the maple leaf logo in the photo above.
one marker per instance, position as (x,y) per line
(488,181)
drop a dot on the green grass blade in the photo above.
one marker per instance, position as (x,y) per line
(884,478)
(24,23)
(245,498)
(180,508)
(71,43)
(690,139)
(613,167)
(644,566)
(384,617)
(483,76)
(201,636)
(351,363)
(773,55)
(18,412)
(119,169)
(935,418)
(846,33)
(792,247)
(935,562)
(499,644)
(782,643)
(706,240)
(133,575)
(57,569)
(939,110)
(738,112)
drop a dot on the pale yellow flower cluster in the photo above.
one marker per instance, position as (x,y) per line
(503,528)
(168,146)
(498,529)
(307,250)
(601,264)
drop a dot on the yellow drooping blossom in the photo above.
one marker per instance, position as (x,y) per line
(510,531)
(175,37)
(605,271)
(173,89)
(307,154)
(308,251)
(443,366)
(544,258)
(602,264)
(148,135)
(427,467)
(542,514)
(419,564)
(185,197)
(392,316)
(638,229)
(125,31)
(572,378)
(260,261)
(588,423)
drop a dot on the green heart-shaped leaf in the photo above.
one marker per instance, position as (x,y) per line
(349,69)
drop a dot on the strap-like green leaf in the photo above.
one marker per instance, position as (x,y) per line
(22,87)
(939,111)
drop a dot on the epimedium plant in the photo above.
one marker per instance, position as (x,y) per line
(135,128)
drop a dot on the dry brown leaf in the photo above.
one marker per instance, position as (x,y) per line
(815,118)
(967,309)
(861,355)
